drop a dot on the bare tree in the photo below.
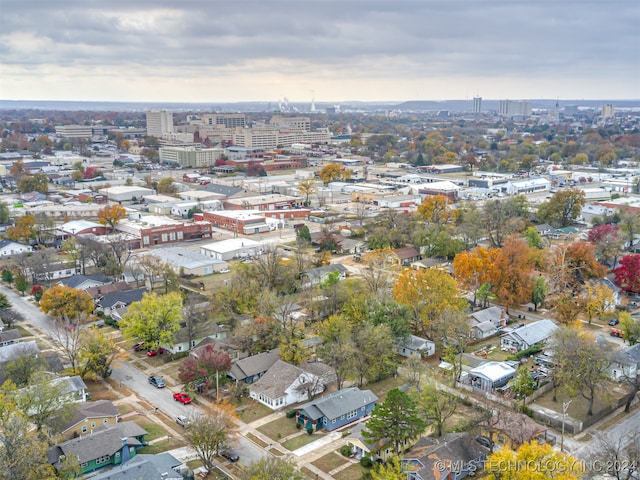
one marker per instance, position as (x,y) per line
(194,313)
(67,337)
(619,457)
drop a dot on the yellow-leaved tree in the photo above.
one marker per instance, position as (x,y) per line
(532,461)
(428,293)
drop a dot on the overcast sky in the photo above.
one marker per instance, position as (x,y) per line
(333,50)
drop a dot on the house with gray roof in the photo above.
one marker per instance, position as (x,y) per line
(336,409)
(82,282)
(162,466)
(487,322)
(414,346)
(108,446)
(250,369)
(285,384)
(186,262)
(315,276)
(87,417)
(9,247)
(119,299)
(9,337)
(14,351)
(517,339)
(453,456)
(625,363)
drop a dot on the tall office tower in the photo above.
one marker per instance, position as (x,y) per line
(608,111)
(477,104)
(159,123)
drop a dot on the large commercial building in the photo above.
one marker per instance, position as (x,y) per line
(74,131)
(159,123)
(224,120)
(291,123)
(270,138)
(190,157)
(477,104)
(514,108)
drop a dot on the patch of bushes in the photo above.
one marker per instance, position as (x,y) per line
(345,450)
(112,323)
(291,414)
(366,462)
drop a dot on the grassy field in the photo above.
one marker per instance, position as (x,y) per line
(249,410)
(383,386)
(354,472)
(579,405)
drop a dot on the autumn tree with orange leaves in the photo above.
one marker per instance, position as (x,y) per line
(474,268)
(111,215)
(512,273)
(436,210)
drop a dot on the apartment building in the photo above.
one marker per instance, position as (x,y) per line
(159,123)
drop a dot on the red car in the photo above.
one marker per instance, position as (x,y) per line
(153,353)
(182,398)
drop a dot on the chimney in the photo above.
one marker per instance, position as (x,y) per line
(126,456)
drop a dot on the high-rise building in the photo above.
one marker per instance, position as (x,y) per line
(159,123)
(477,104)
(608,111)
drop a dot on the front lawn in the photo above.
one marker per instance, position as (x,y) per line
(249,410)
(383,386)
(280,428)
(579,405)
(330,461)
(300,441)
(354,472)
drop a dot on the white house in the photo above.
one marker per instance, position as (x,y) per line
(414,346)
(625,363)
(232,248)
(285,384)
(517,339)
(8,247)
(487,322)
(490,375)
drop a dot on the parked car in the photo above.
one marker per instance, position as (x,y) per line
(182,398)
(614,322)
(182,420)
(617,333)
(153,353)
(138,346)
(224,270)
(156,381)
(230,455)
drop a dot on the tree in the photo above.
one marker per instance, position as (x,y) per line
(303,233)
(5,213)
(563,208)
(338,348)
(272,468)
(154,319)
(307,187)
(512,273)
(34,183)
(630,226)
(627,275)
(97,353)
(23,454)
(436,210)
(539,292)
(598,299)
(523,384)
(111,215)
(533,237)
(23,230)
(474,268)
(618,458)
(4,303)
(542,462)
(166,186)
(395,419)
(373,355)
(502,218)
(22,370)
(582,364)
(631,328)
(391,470)
(377,274)
(66,303)
(332,172)
(43,401)
(7,276)
(435,406)
(428,293)
(205,368)
(67,336)
(212,432)
(21,283)
(607,240)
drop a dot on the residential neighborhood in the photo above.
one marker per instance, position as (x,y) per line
(419,300)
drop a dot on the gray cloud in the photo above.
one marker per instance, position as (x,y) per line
(593,43)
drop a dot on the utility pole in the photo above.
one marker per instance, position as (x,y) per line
(565,407)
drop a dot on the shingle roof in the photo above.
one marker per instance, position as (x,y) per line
(17,350)
(319,272)
(76,280)
(144,466)
(456,448)
(127,297)
(104,441)
(99,408)
(493,314)
(338,403)
(535,332)
(255,364)
(281,376)
(9,335)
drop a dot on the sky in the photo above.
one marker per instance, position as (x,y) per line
(327,50)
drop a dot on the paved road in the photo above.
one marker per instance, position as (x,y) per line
(162,398)
(31,313)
